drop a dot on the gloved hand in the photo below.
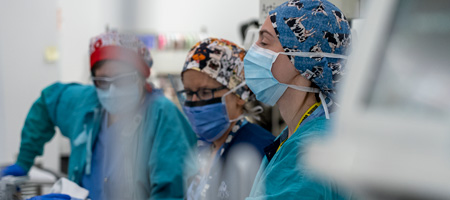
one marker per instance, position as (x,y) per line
(51,197)
(13,170)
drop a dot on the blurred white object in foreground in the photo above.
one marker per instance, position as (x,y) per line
(65,186)
(392,137)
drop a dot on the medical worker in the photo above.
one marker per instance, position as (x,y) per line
(215,96)
(127,140)
(297,64)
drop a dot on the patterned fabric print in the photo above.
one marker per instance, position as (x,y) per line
(316,49)
(295,24)
(273,19)
(320,9)
(128,41)
(223,61)
(314,26)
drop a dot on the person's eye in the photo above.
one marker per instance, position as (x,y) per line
(262,43)
(189,94)
(265,41)
(260,40)
(102,84)
(204,92)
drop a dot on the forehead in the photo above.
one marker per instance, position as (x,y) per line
(267,27)
(194,80)
(113,68)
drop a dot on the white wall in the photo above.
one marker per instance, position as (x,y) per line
(217,17)
(3,150)
(27,28)
(221,18)
(83,19)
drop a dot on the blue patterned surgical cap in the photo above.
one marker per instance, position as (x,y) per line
(314,26)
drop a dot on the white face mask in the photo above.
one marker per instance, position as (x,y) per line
(120,100)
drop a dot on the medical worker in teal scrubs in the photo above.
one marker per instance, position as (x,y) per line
(297,63)
(127,140)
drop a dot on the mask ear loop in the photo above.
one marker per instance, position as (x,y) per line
(324,104)
(315,54)
(225,103)
(321,96)
(254,112)
(304,89)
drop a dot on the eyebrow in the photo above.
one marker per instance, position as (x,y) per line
(262,31)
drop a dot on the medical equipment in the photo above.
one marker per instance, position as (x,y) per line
(9,189)
(392,138)
(37,182)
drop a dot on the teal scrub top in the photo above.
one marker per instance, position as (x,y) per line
(285,176)
(159,171)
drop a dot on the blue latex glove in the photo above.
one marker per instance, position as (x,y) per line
(13,170)
(51,197)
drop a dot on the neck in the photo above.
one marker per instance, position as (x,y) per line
(219,142)
(112,119)
(292,114)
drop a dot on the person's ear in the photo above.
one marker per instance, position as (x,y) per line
(301,80)
(240,102)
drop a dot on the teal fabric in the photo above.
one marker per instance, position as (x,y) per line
(163,167)
(285,176)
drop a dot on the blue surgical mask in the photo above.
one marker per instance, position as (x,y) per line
(118,100)
(258,64)
(209,119)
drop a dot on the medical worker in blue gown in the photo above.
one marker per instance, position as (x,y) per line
(215,94)
(297,63)
(127,140)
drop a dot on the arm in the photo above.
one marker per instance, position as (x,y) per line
(39,126)
(172,159)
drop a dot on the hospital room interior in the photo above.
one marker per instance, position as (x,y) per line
(236,99)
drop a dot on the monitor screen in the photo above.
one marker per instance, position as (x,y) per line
(413,70)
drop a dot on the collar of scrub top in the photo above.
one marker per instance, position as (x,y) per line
(273,148)
(234,131)
(98,115)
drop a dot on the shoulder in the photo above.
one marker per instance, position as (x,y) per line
(305,134)
(80,96)
(158,102)
(74,87)
(70,94)
(254,135)
(70,90)
(317,127)
(297,144)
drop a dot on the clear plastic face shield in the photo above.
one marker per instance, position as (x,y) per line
(119,94)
